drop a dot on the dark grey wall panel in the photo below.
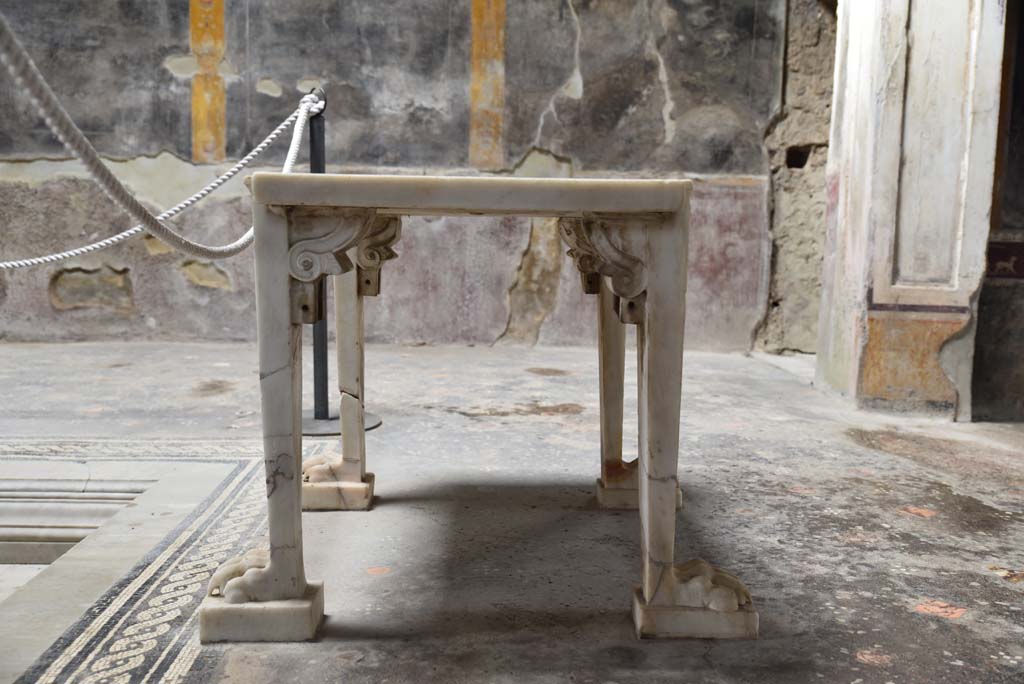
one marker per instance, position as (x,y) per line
(104,60)
(672,85)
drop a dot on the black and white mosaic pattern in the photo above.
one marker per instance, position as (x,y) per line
(144,628)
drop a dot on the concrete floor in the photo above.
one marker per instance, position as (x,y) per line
(877,549)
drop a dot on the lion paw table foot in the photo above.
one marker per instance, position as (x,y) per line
(682,622)
(295,619)
(338,496)
(706,603)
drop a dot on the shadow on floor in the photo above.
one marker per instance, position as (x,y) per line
(533,576)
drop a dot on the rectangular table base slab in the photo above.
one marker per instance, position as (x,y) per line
(288,620)
(678,622)
(338,496)
(622,499)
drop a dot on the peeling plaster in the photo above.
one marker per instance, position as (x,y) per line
(668,109)
(533,295)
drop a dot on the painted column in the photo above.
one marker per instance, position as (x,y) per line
(487,85)
(209,108)
(911,165)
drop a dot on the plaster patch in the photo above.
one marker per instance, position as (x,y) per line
(308,83)
(99,288)
(268,86)
(206,275)
(182,66)
(185,67)
(155,247)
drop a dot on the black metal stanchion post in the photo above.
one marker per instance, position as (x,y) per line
(322,420)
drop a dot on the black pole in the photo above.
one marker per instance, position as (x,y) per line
(318,164)
(323,422)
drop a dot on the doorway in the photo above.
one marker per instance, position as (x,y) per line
(998,381)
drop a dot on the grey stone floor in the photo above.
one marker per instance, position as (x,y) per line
(877,549)
(13,577)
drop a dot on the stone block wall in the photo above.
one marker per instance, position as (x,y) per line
(797,145)
(171,92)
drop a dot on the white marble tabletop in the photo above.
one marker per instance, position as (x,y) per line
(417,195)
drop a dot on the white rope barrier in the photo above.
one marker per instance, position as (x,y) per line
(27,76)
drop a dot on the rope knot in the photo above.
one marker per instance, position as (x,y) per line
(312,102)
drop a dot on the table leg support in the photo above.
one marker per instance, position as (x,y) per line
(263,595)
(617,488)
(693,599)
(333,482)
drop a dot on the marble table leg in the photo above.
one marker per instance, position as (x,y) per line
(263,595)
(341,483)
(694,599)
(617,488)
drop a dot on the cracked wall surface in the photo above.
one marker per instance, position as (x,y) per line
(798,147)
(660,88)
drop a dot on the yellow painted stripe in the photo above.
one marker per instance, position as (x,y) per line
(487,85)
(209,109)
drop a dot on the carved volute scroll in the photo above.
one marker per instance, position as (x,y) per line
(325,255)
(374,249)
(594,252)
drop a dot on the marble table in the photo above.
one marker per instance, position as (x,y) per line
(628,239)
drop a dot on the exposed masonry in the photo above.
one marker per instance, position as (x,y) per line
(532,297)
(797,143)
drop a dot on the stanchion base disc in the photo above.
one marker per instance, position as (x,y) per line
(311,427)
